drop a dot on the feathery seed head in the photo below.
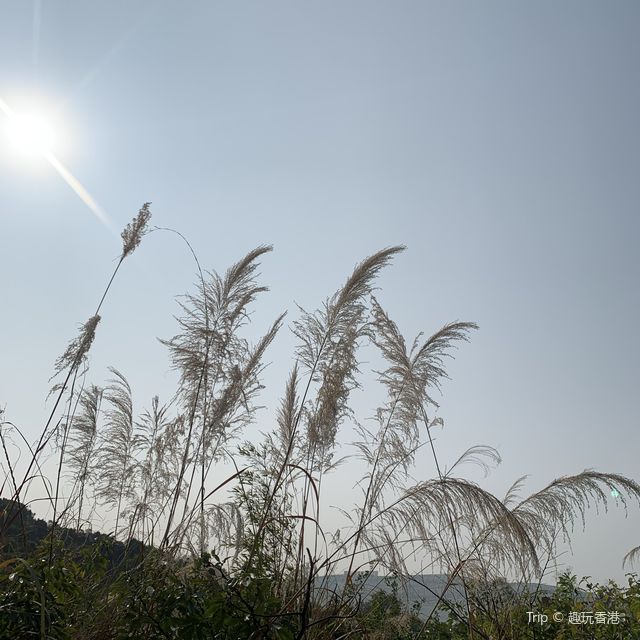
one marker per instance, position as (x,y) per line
(133,232)
(78,347)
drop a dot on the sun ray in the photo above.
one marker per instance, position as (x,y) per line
(79,189)
(102,63)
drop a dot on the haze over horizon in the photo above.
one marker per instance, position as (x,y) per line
(498,141)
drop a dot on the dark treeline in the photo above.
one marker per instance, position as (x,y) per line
(23,535)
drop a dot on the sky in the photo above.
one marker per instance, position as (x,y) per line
(498,141)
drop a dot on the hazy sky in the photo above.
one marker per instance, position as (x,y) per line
(499,141)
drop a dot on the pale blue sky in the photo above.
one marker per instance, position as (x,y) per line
(499,141)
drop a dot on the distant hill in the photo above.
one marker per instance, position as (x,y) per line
(424,589)
(22,533)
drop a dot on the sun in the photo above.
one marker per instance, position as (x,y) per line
(30,134)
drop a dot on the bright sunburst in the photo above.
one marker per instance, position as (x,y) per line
(30,134)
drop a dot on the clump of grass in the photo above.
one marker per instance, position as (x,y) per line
(183,478)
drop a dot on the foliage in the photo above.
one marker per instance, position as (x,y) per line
(583,610)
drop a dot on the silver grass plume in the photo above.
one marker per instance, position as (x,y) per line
(556,508)
(408,378)
(632,557)
(544,516)
(332,400)
(329,339)
(229,411)
(133,232)
(224,523)
(344,310)
(207,347)
(147,443)
(78,348)
(116,453)
(429,507)
(149,428)
(168,448)
(480,455)
(233,409)
(289,407)
(410,375)
(83,438)
(553,511)
(511,496)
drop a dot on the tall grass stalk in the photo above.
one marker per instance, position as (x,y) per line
(78,348)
